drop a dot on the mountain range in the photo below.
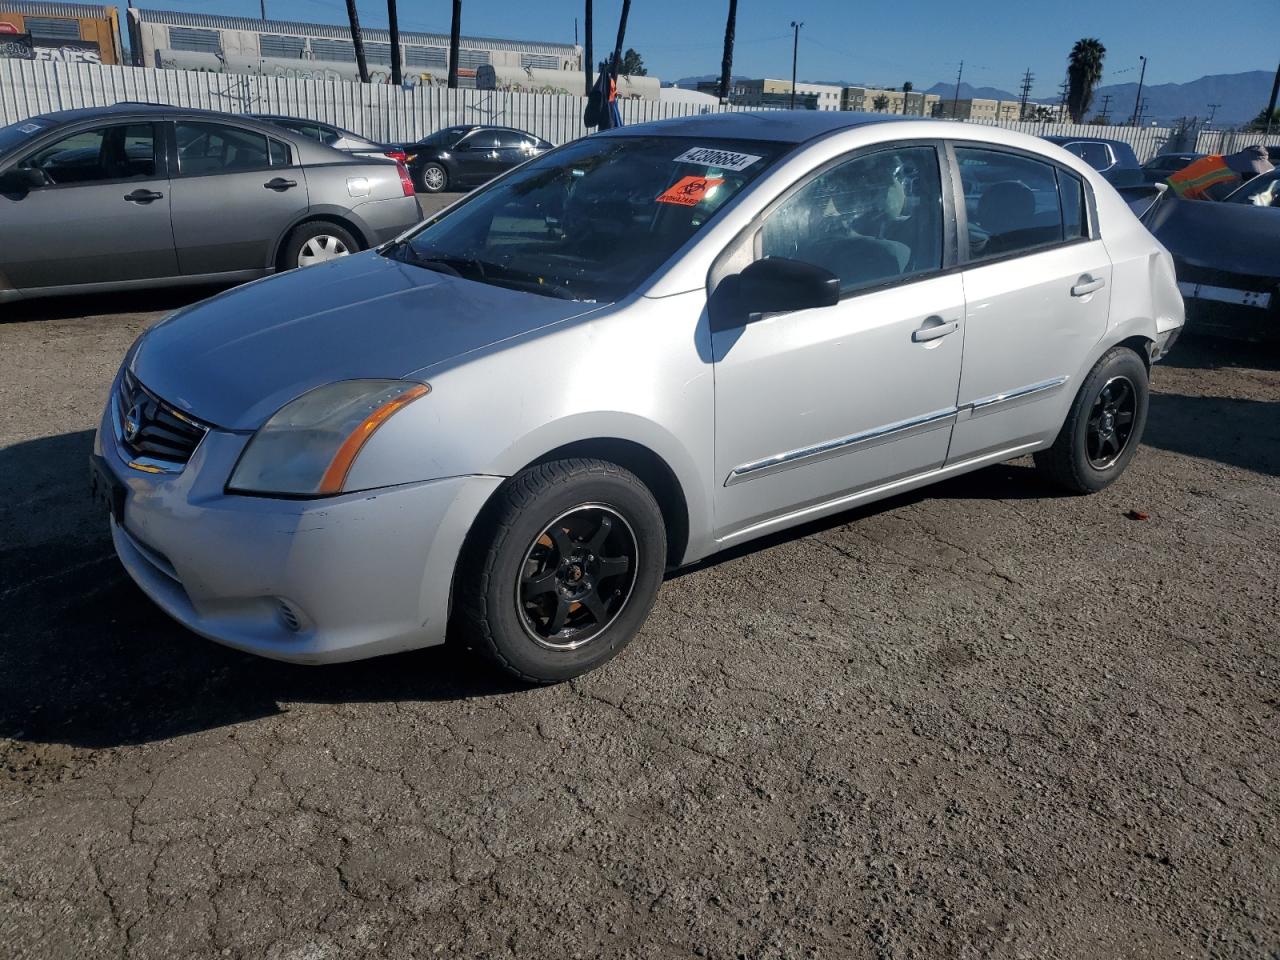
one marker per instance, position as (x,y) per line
(1240,96)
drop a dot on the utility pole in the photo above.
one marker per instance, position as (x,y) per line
(1105,112)
(393,27)
(955,100)
(1027,79)
(1142,108)
(262,5)
(357,38)
(1137,101)
(455,43)
(795,50)
(588,65)
(1271,104)
(1213,109)
(617,47)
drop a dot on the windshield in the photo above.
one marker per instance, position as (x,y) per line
(594,219)
(444,138)
(1261,191)
(20,132)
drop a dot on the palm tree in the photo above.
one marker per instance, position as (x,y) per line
(726,63)
(881,102)
(1084,70)
(358,39)
(455,41)
(908,87)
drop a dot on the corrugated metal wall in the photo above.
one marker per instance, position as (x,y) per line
(390,114)
(374,110)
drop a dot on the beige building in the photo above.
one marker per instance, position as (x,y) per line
(777,93)
(864,99)
(1002,111)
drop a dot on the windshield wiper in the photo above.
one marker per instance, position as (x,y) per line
(471,268)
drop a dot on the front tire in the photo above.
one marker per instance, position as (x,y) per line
(1103,427)
(561,569)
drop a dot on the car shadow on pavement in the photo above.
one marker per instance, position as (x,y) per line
(98,304)
(87,660)
(1239,433)
(1210,353)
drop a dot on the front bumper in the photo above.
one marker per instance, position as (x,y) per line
(308,581)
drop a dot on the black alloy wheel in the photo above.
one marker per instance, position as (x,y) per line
(1111,422)
(577,577)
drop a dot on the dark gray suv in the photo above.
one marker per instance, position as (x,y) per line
(147,195)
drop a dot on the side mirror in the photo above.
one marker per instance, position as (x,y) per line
(772,285)
(22,179)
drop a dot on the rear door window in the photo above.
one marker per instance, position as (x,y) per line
(1071,198)
(212,148)
(1011,203)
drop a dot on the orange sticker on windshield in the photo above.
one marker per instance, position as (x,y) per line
(689,190)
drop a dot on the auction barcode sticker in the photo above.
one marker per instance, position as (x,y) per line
(721,159)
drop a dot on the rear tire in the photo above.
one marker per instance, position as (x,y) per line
(1103,427)
(432,178)
(561,569)
(315,242)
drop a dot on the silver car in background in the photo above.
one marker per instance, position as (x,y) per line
(628,354)
(140,195)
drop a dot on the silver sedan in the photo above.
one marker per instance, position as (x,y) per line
(143,195)
(626,355)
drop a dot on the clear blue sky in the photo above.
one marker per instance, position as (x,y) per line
(875,42)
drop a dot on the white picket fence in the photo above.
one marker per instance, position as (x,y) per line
(387,113)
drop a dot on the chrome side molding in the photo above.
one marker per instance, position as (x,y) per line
(1004,401)
(892,431)
(842,445)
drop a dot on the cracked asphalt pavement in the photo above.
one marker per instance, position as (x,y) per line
(983,720)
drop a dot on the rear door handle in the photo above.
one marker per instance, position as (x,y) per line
(1087,285)
(933,328)
(280,185)
(143,196)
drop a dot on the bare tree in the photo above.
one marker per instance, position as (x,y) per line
(726,62)
(455,43)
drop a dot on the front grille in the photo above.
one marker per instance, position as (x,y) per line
(151,432)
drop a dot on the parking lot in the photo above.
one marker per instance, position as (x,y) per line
(978,720)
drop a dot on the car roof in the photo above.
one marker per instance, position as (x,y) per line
(309,151)
(782,126)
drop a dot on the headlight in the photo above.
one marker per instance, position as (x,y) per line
(307,448)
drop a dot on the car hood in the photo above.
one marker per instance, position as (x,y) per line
(235,359)
(1236,237)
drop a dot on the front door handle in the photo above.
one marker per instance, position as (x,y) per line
(280,184)
(1087,285)
(933,328)
(143,196)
